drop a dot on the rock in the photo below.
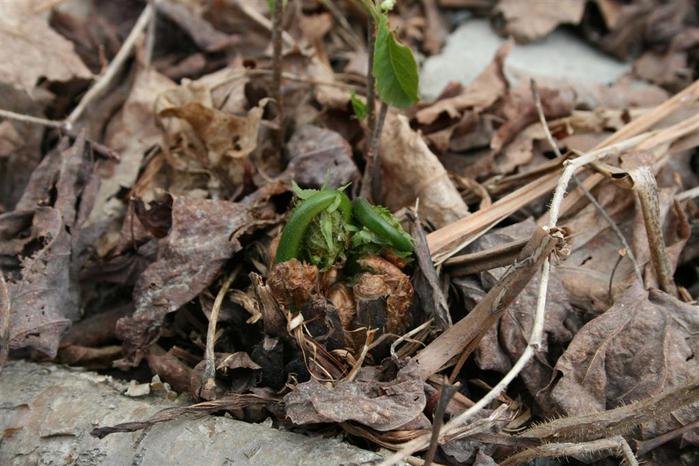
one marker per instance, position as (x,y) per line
(47,412)
(471,47)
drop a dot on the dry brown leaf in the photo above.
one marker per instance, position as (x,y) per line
(130,133)
(202,238)
(320,156)
(201,31)
(527,21)
(221,142)
(644,344)
(505,343)
(382,406)
(32,50)
(411,171)
(45,296)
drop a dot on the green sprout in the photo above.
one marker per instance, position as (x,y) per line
(321,229)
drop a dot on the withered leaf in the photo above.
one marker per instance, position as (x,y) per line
(644,344)
(407,161)
(201,31)
(382,406)
(32,50)
(45,293)
(218,140)
(203,236)
(320,157)
(45,297)
(527,21)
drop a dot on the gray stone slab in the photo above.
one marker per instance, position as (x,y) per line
(47,412)
(471,47)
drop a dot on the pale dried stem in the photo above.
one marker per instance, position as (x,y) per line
(30,119)
(616,144)
(346,30)
(603,213)
(247,8)
(444,240)
(209,376)
(277,64)
(4,320)
(689,194)
(553,450)
(150,34)
(104,81)
(647,191)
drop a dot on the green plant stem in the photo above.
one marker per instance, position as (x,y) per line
(295,229)
(368,217)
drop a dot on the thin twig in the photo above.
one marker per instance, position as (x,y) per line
(647,190)
(689,194)
(366,190)
(603,213)
(4,320)
(96,146)
(554,450)
(209,375)
(277,30)
(150,34)
(110,73)
(374,156)
(445,394)
(30,119)
(645,446)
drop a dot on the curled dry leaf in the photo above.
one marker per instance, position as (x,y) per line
(406,161)
(388,282)
(203,236)
(221,142)
(644,344)
(45,296)
(382,406)
(20,145)
(527,21)
(131,133)
(201,31)
(32,50)
(320,157)
(293,282)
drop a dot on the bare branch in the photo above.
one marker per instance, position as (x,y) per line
(110,73)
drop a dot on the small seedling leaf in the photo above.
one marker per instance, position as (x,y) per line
(359,107)
(395,69)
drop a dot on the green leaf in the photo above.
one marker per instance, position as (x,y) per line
(302,193)
(358,105)
(395,69)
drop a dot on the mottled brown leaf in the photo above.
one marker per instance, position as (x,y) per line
(32,50)
(203,236)
(382,406)
(320,157)
(527,21)
(644,344)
